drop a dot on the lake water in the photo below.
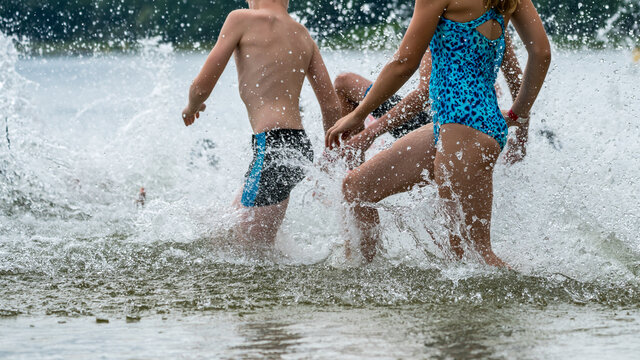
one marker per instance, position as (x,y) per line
(81,135)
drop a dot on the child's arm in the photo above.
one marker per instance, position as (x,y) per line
(397,72)
(320,81)
(411,105)
(529,26)
(203,85)
(511,68)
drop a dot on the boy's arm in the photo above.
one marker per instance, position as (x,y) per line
(410,106)
(322,85)
(203,85)
(511,68)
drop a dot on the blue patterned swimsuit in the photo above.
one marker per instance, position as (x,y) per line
(465,68)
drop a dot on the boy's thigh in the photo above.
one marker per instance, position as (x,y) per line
(259,225)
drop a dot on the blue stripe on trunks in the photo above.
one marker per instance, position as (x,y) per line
(252,185)
(368,89)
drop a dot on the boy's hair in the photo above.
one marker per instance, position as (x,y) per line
(284,2)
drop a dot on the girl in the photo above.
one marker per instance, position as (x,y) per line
(459,150)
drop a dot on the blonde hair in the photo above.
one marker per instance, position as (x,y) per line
(503,6)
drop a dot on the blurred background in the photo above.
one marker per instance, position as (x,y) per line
(87,25)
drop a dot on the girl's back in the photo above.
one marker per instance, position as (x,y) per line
(467,50)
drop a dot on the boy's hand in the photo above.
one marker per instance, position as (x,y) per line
(189,116)
(360,142)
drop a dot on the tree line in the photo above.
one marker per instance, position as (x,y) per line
(191,21)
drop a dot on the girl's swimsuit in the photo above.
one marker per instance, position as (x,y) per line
(465,68)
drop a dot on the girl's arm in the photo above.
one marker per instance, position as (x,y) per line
(396,73)
(511,68)
(529,26)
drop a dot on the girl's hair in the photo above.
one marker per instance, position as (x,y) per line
(503,6)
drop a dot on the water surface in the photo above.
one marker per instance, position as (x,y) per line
(83,134)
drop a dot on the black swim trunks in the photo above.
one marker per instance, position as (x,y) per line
(279,159)
(421,119)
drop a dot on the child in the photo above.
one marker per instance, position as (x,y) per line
(273,55)
(458,152)
(400,116)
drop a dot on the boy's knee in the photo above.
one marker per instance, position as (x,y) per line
(342,82)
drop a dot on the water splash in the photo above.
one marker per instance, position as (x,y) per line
(98,128)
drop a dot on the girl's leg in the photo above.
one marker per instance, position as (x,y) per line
(464,173)
(390,172)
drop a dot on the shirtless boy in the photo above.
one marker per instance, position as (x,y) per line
(273,56)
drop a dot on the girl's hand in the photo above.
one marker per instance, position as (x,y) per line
(189,116)
(343,129)
(517,146)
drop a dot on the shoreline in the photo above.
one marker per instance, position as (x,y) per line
(378,42)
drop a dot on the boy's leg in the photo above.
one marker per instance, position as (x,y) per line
(351,88)
(259,225)
(390,172)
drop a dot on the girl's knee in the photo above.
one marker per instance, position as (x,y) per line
(350,188)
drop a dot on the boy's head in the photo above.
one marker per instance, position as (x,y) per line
(255,4)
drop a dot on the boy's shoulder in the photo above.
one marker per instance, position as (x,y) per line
(240,14)
(257,15)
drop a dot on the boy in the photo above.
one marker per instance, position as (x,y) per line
(273,55)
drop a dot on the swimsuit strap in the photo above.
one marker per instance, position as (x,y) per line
(491,14)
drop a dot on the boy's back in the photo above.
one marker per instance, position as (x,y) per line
(272,58)
(274,54)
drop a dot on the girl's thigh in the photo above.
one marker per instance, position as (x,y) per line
(407,163)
